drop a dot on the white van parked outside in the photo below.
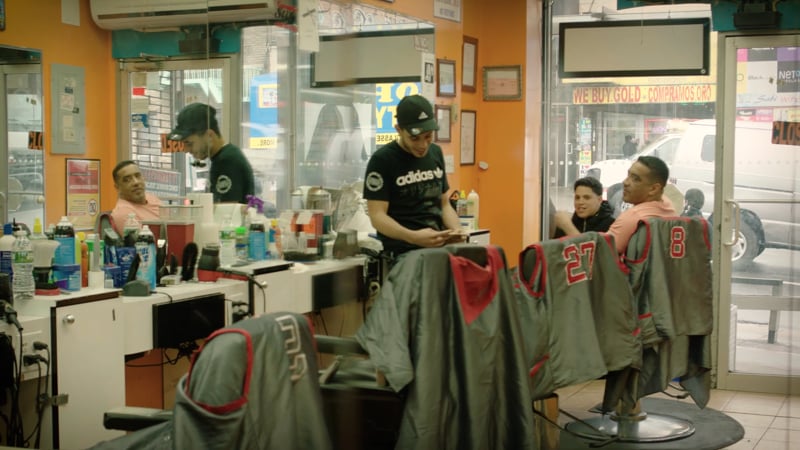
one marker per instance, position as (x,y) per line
(762,171)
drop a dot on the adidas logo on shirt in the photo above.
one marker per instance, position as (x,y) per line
(419,175)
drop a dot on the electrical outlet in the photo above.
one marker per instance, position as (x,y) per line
(34,329)
(32,371)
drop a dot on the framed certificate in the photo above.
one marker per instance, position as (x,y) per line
(469,68)
(468,122)
(446,78)
(502,83)
(443,119)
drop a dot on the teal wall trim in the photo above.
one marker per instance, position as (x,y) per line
(132,43)
(722,11)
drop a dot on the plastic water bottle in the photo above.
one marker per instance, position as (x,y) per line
(146,249)
(227,245)
(64,233)
(6,245)
(22,286)
(130,232)
(241,243)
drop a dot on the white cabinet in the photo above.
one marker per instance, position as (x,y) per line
(303,288)
(480,237)
(276,291)
(89,370)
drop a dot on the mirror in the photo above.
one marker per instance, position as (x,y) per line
(21,146)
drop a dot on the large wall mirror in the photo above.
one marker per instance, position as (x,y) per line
(21,145)
(295,135)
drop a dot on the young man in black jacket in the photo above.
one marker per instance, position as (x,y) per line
(592,213)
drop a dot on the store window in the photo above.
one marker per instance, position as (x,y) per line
(599,125)
(299,135)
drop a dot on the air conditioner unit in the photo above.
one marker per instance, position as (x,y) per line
(154,14)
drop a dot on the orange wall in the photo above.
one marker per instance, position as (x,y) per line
(37,24)
(507,134)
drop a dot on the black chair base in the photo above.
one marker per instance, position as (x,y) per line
(361,418)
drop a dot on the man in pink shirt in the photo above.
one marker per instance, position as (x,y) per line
(133,198)
(644,189)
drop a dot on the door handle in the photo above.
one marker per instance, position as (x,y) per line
(737,223)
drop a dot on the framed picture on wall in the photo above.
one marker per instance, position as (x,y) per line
(443,119)
(468,122)
(83,192)
(446,78)
(502,83)
(469,61)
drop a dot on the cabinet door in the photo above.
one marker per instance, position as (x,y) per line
(90,369)
(285,291)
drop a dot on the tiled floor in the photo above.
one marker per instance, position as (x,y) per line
(770,421)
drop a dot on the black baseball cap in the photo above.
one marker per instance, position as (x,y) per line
(193,119)
(415,115)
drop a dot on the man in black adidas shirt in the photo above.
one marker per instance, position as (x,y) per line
(406,185)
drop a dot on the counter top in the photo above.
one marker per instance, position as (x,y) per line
(260,267)
(277,265)
(41,304)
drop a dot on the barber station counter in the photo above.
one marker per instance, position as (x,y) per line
(303,287)
(139,319)
(89,332)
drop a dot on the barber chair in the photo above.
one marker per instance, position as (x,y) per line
(576,310)
(574,331)
(252,384)
(671,280)
(444,334)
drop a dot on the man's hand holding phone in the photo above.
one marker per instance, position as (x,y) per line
(456,236)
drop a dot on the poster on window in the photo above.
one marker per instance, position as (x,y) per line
(83,192)
(387,96)
(262,130)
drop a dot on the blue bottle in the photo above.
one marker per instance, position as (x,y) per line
(6,244)
(257,243)
(65,235)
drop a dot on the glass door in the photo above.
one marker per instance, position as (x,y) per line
(152,94)
(21,146)
(758,256)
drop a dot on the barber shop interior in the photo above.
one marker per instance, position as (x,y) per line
(589,237)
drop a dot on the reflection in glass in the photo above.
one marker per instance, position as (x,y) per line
(23,146)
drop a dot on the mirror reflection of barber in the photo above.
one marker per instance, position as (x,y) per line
(230,176)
